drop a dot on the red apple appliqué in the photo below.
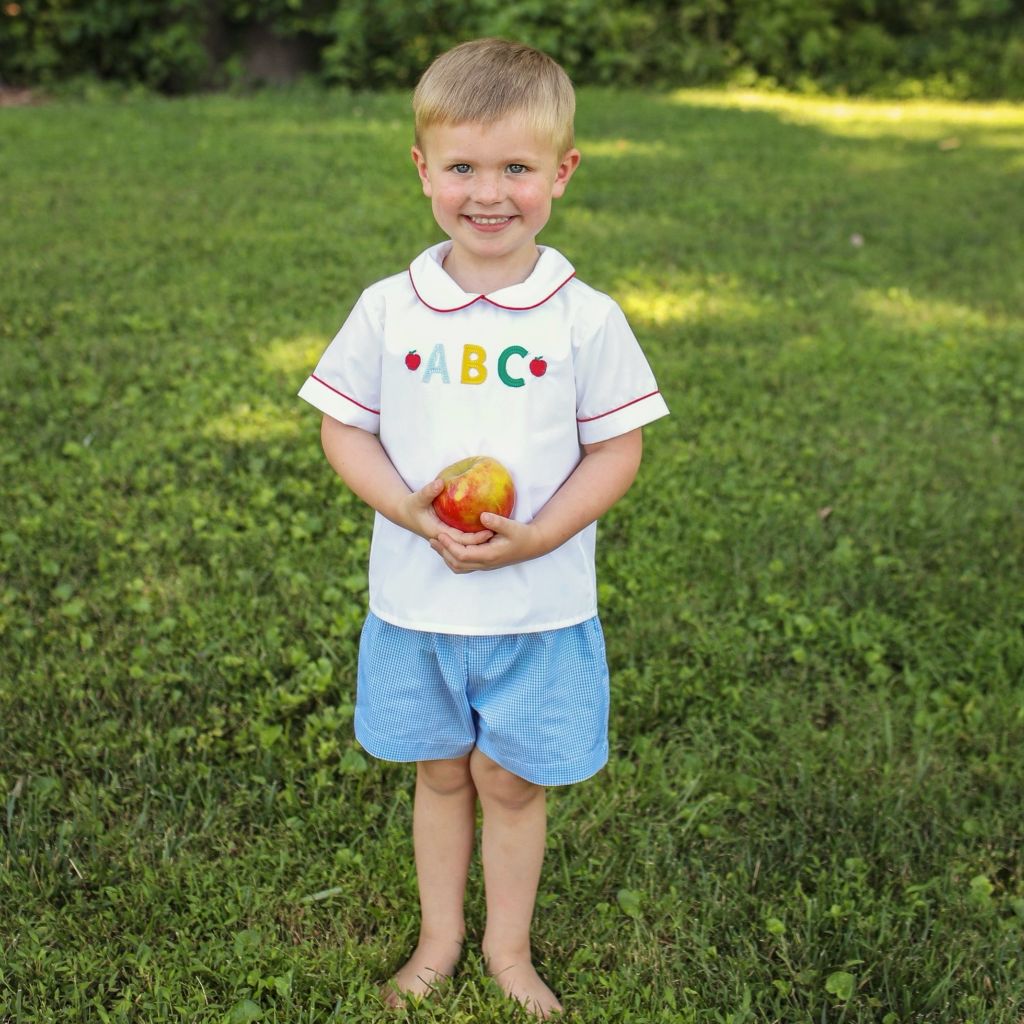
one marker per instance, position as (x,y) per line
(538,367)
(412,360)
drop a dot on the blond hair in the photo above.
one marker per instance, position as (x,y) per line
(488,79)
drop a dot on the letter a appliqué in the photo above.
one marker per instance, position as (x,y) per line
(436,364)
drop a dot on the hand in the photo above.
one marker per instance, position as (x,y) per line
(416,513)
(508,542)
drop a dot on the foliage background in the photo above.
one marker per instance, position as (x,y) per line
(968,48)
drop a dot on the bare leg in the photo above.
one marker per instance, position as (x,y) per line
(515,825)
(443,828)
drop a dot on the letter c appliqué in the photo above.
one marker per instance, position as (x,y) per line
(506,355)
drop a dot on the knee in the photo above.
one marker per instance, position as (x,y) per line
(497,785)
(445,778)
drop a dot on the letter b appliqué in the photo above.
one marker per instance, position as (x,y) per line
(474,370)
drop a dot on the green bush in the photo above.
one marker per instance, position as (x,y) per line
(156,43)
(971,49)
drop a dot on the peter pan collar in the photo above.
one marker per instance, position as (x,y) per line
(439,292)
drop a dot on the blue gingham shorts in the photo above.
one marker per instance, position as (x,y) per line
(536,703)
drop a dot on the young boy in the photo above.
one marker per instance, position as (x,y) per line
(482,658)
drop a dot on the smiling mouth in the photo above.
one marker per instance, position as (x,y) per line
(488,221)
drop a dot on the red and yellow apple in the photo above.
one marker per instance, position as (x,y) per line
(471,486)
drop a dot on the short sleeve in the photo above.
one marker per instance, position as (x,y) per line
(615,388)
(346,382)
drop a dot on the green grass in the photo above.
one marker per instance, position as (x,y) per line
(813,595)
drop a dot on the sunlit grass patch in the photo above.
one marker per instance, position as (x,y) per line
(678,300)
(865,117)
(293,357)
(901,309)
(617,148)
(245,423)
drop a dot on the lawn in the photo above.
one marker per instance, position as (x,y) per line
(813,595)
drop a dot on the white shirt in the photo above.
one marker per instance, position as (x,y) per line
(526,374)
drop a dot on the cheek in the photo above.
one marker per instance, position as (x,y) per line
(537,197)
(449,195)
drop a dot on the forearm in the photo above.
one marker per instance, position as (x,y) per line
(360,460)
(602,477)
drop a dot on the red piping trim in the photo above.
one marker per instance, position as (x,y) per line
(466,305)
(376,412)
(590,419)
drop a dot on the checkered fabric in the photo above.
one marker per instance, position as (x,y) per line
(536,703)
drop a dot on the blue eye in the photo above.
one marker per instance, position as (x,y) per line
(517,168)
(461,168)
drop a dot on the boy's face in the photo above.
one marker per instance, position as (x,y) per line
(491,188)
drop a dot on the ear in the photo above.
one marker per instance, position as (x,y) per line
(566,169)
(420,160)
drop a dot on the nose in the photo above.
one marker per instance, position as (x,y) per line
(488,188)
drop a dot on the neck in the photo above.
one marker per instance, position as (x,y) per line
(484,277)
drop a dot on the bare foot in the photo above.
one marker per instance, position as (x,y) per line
(520,981)
(430,965)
